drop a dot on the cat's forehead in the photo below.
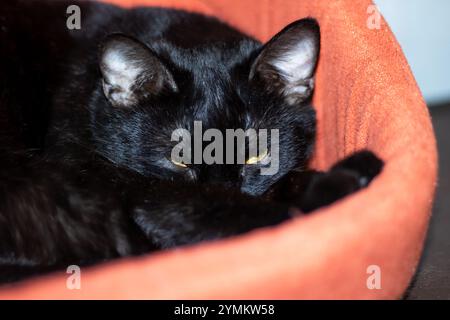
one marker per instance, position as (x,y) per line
(210,82)
(208,55)
(210,92)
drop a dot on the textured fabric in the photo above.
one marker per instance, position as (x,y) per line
(366,97)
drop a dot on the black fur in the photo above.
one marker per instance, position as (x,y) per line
(85,175)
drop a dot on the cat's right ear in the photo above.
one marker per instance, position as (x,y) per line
(287,63)
(131,71)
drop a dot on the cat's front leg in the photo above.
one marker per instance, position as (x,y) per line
(184,215)
(310,190)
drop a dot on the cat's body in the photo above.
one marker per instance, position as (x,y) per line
(85,174)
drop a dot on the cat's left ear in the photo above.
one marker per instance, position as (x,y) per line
(131,71)
(287,63)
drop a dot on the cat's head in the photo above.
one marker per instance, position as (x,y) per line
(151,90)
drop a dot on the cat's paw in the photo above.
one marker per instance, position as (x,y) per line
(344,178)
(329,187)
(363,163)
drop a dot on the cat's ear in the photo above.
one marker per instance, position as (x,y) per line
(287,63)
(131,71)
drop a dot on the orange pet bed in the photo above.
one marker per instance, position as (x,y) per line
(366,97)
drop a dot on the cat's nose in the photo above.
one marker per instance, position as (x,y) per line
(229,184)
(225,175)
(224,183)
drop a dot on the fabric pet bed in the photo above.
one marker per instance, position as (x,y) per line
(366,97)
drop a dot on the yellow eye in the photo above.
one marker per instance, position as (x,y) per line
(259,158)
(178,164)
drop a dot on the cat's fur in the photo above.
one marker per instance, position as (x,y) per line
(84,142)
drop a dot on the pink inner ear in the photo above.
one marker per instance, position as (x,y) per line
(131,71)
(287,63)
(298,62)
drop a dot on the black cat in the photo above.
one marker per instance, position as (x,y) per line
(86,119)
